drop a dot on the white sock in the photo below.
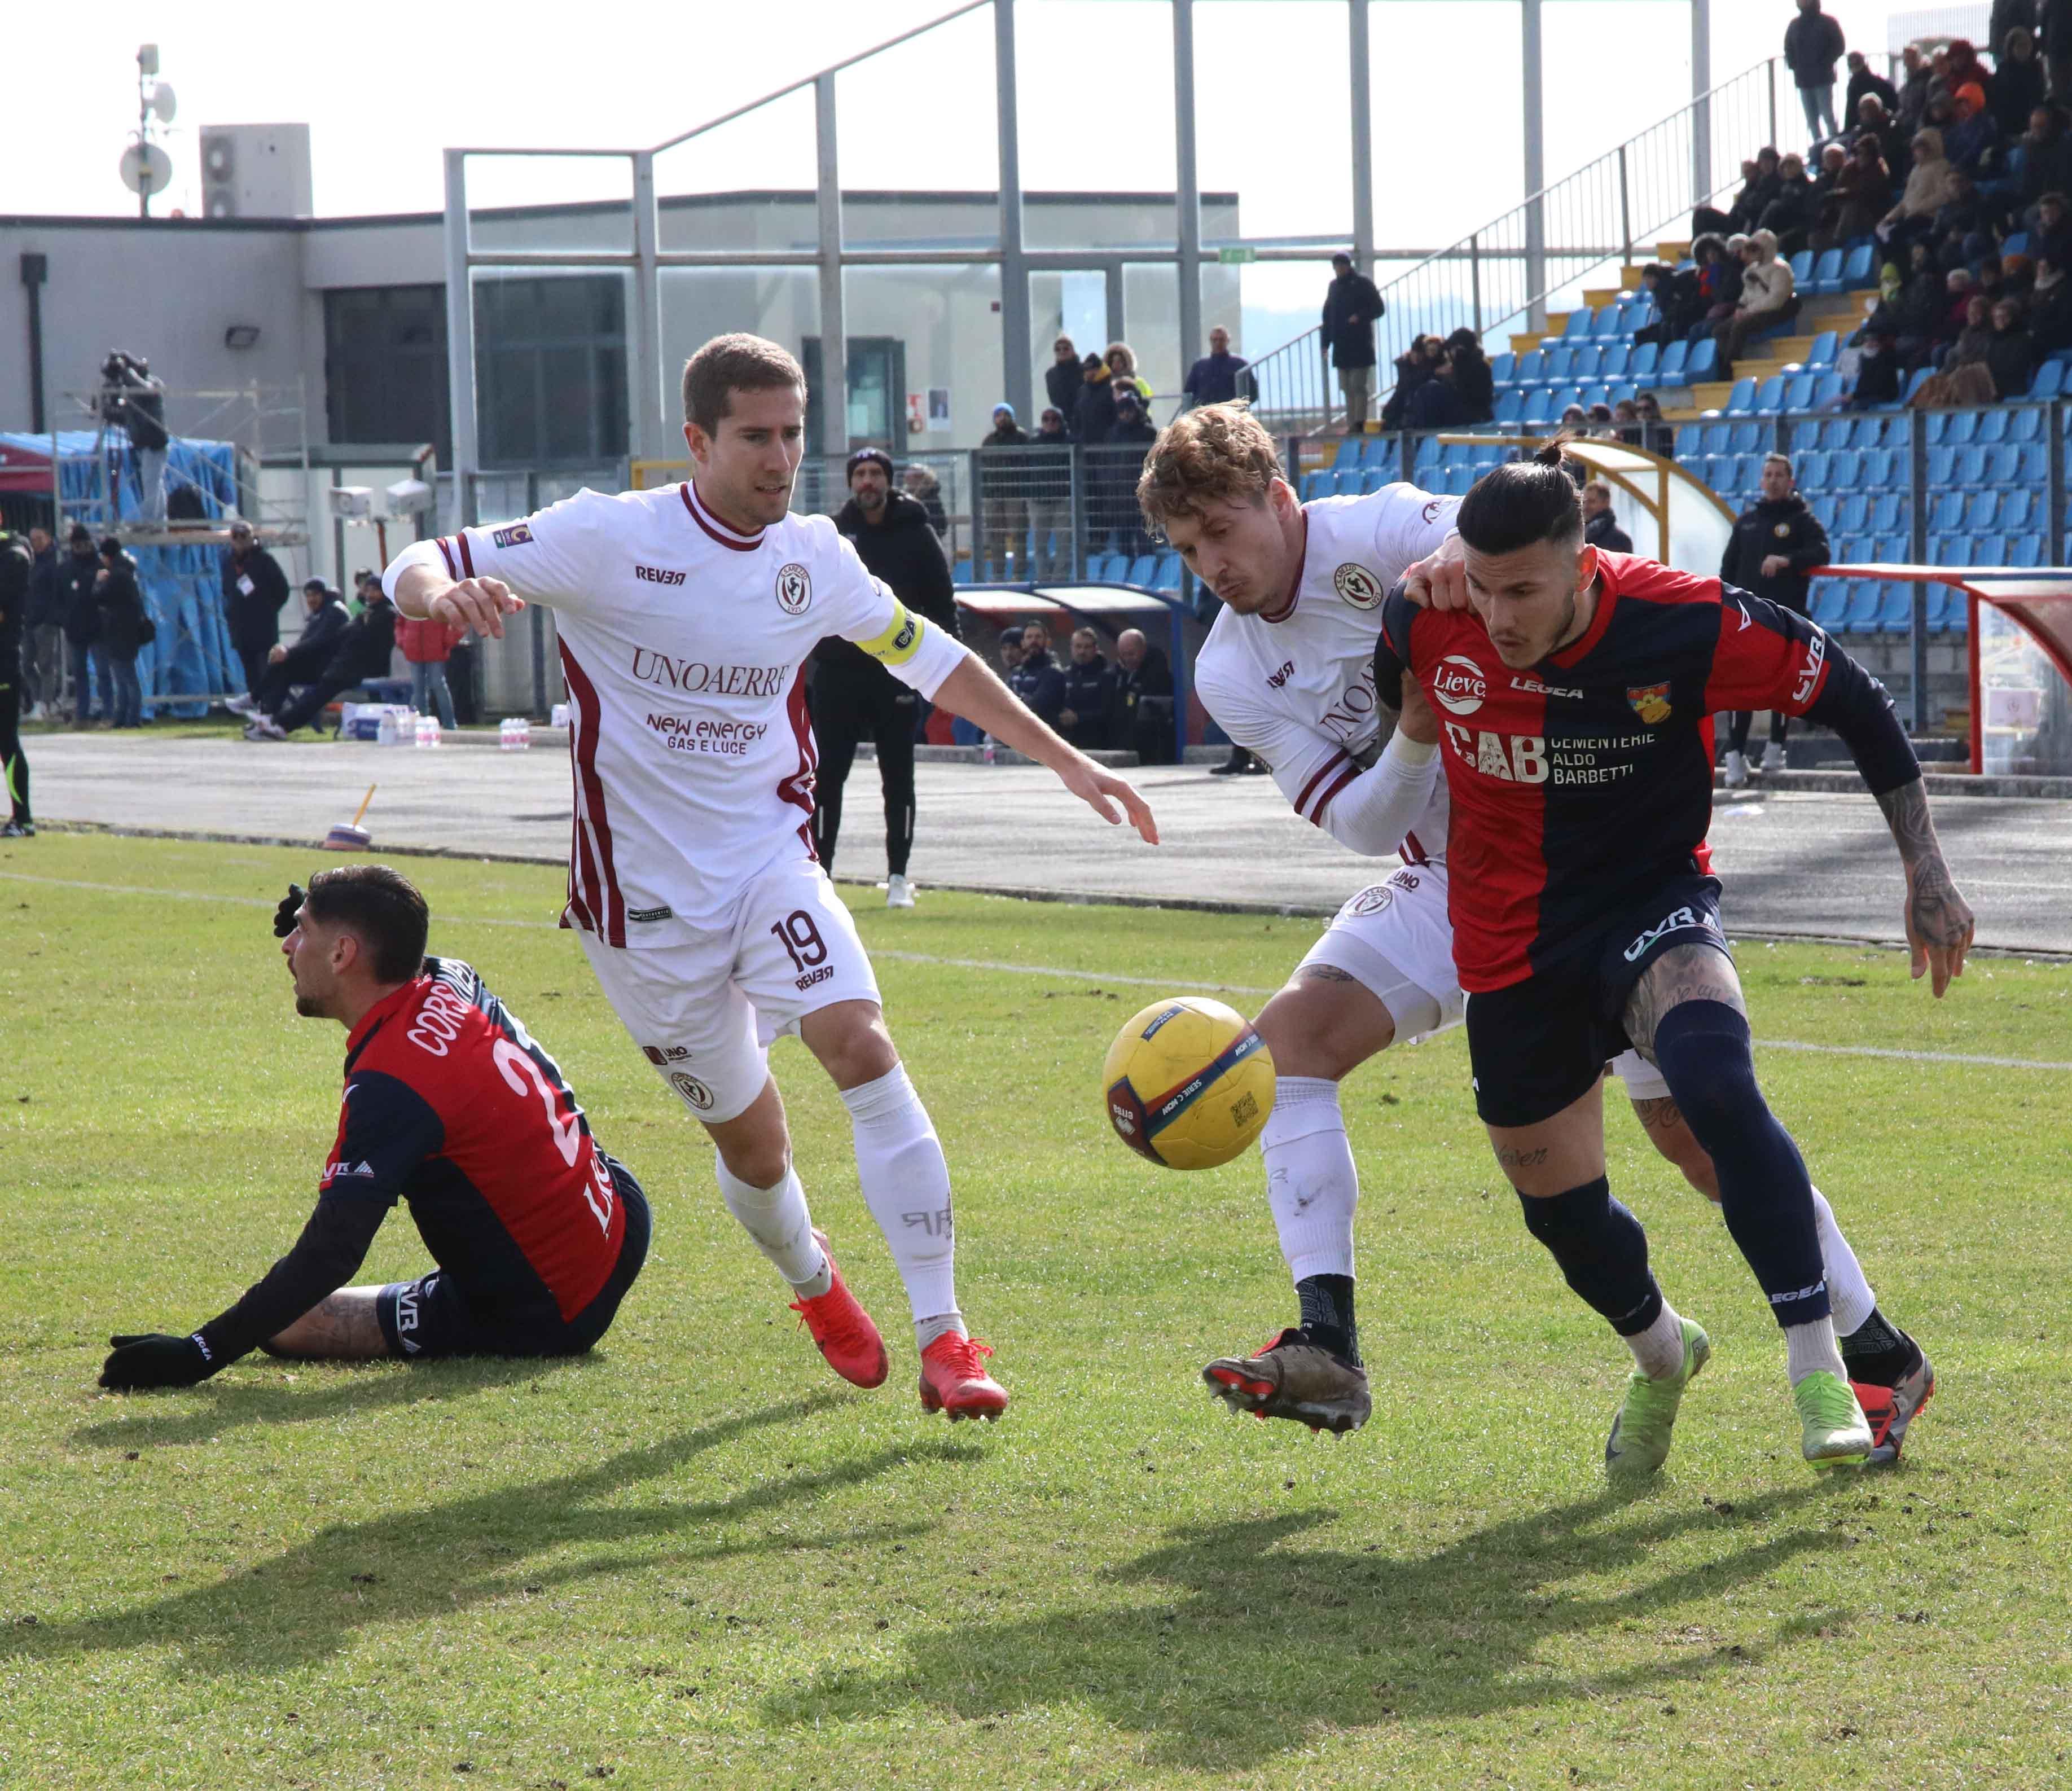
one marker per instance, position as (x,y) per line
(1848,1292)
(1311,1183)
(906,1186)
(1658,1351)
(777,1219)
(1810,1347)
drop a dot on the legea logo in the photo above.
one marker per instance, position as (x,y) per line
(1459,685)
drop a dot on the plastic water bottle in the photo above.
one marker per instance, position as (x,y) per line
(514,734)
(388,729)
(558,716)
(985,751)
(428,730)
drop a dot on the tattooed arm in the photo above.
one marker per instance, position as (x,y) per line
(1939,921)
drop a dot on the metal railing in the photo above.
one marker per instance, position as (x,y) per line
(1506,271)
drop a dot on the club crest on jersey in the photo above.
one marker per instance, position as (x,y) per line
(692,1090)
(1357,586)
(1650,702)
(795,589)
(1372,900)
(1459,685)
(517,535)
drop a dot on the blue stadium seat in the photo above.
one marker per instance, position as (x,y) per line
(1867,431)
(1457,453)
(1833,432)
(1316,485)
(1597,392)
(1853,513)
(1690,441)
(1539,410)
(1865,598)
(1826,275)
(1563,396)
(2020,510)
(1896,613)
(2004,463)
(1948,549)
(2025,550)
(1372,478)
(1809,469)
(1644,361)
(1961,429)
(1349,453)
(1993,426)
(1830,603)
(2016,243)
(961,572)
(1702,363)
(1637,315)
(1942,467)
(2049,381)
(2025,423)
(1859,267)
(1825,346)
(1830,389)
(1624,392)
(1769,396)
(1799,392)
(1746,437)
(1459,479)
(1617,358)
(1609,324)
(1891,550)
(1989,550)
(1673,370)
(1748,472)
(1165,575)
(1741,401)
(1502,367)
(1947,513)
(1142,570)
(1577,326)
(1511,406)
(1719,437)
(1889,509)
(1583,364)
(1845,471)
(1427,455)
(1915,381)
(2033,460)
(1345,482)
(1982,512)
(1802,269)
(1383,450)
(1530,368)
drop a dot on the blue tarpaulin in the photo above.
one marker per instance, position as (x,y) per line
(182,585)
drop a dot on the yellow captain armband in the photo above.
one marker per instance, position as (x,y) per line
(901,640)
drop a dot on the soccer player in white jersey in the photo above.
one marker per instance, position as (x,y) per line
(1287,672)
(685,616)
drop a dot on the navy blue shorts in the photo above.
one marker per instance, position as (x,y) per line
(1540,1046)
(430,1316)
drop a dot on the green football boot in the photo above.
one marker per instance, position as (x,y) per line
(1837,1433)
(1639,1441)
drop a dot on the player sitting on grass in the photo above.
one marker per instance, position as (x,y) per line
(450,1106)
(1287,672)
(1574,697)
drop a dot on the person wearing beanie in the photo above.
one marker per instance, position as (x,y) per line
(1003,480)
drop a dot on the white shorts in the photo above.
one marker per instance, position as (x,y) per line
(1395,940)
(705,1012)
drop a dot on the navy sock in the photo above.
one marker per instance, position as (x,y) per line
(1602,1253)
(1327,1314)
(1702,1049)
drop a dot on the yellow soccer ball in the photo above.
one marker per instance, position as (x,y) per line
(1188,1084)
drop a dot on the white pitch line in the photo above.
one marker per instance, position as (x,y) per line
(1054,970)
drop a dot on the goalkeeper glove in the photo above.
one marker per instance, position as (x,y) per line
(285,921)
(155,1360)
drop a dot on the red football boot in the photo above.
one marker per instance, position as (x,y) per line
(954,1379)
(842,1328)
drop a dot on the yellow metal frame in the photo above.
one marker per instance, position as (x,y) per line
(1595,454)
(648,473)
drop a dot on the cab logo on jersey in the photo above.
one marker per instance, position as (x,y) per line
(795,589)
(692,1090)
(517,535)
(1459,685)
(1650,702)
(1371,901)
(1357,586)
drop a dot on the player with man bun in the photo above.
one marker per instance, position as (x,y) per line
(685,616)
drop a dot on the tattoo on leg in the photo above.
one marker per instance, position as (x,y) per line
(1683,973)
(1659,1114)
(1326,973)
(1509,1159)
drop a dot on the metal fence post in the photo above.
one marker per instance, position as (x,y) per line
(1626,208)
(1773,103)
(1917,622)
(1475,277)
(1078,511)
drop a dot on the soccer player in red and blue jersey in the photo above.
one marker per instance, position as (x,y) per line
(451,1106)
(1574,695)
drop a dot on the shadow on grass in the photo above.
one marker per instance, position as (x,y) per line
(202,1414)
(1262,1641)
(303,1604)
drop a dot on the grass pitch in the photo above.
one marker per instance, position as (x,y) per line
(695,1558)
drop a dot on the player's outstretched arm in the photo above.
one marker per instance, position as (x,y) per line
(1439,580)
(1939,927)
(423,592)
(972,692)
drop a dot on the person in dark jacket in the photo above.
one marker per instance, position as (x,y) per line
(1789,217)
(133,398)
(16,562)
(1863,79)
(1438,403)
(854,698)
(42,638)
(2053,29)
(2011,354)
(327,624)
(1004,490)
(2017,83)
(921,485)
(1215,378)
(1352,307)
(366,649)
(2050,308)
(1062,378)
(1093,415)
(254,589)
(1600,528)
(1037,679)
(1140,700)
(124,626)
(1089,688)
(1128,442)
(1049,482)
(1777,542)
(1472,377)
(80,620)
(1416,368)
(1813,44)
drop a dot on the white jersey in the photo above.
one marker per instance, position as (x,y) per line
(684,644)
(1295,684)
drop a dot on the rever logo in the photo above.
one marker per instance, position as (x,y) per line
(1277,679)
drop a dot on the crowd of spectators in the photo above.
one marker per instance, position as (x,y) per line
(1126,704)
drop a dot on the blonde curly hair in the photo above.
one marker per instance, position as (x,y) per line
(1214,454)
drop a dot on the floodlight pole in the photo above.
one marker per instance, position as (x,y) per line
(1535,165)
(1017,368)
(1187,185)
(460,340)
(1701,115)
(650,402)
(834,326)
(1360,57)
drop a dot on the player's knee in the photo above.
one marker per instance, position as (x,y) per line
(1324,1028)
(760,1163)
(1705,1052)
(852,1043)
(1558,1220)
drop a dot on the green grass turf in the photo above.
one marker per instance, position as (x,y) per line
(693,1558)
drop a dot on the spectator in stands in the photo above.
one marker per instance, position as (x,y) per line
(1776,544)
(1626,423)
(1767,298)
(1966,378)
(1089,690)
(1863,80)
(1916,78)
(2017,83)
(926,490)
(1602,425)
(1215,378)
(325,619)
(125,627)
(1003,475)
(2050,308)
(1141,712)
(1415,366)
(2046,166)
(1878,369)
(1813,44)
(1860,195)
(2054,24)
(1958,297)
(1962,68)
(1678,303)
(1962,229)
(1009,643)
(1050,481)
(1061,380)
(1036,679)
(2011,355)
(1575,421)
(2051,234)
(255,589)
(1436,404)
(1708,221)
(1130,439)
(1473,380)
(1352,307)
(1122,372)
(43,638)
(366,645)
(80,620)
(1927,191)
(1657,437)
(1789,217)
(1872,119)
(1600,528)
(2005,16)
(1094,415)
(1719,281)
(427,647)
(1973,145)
